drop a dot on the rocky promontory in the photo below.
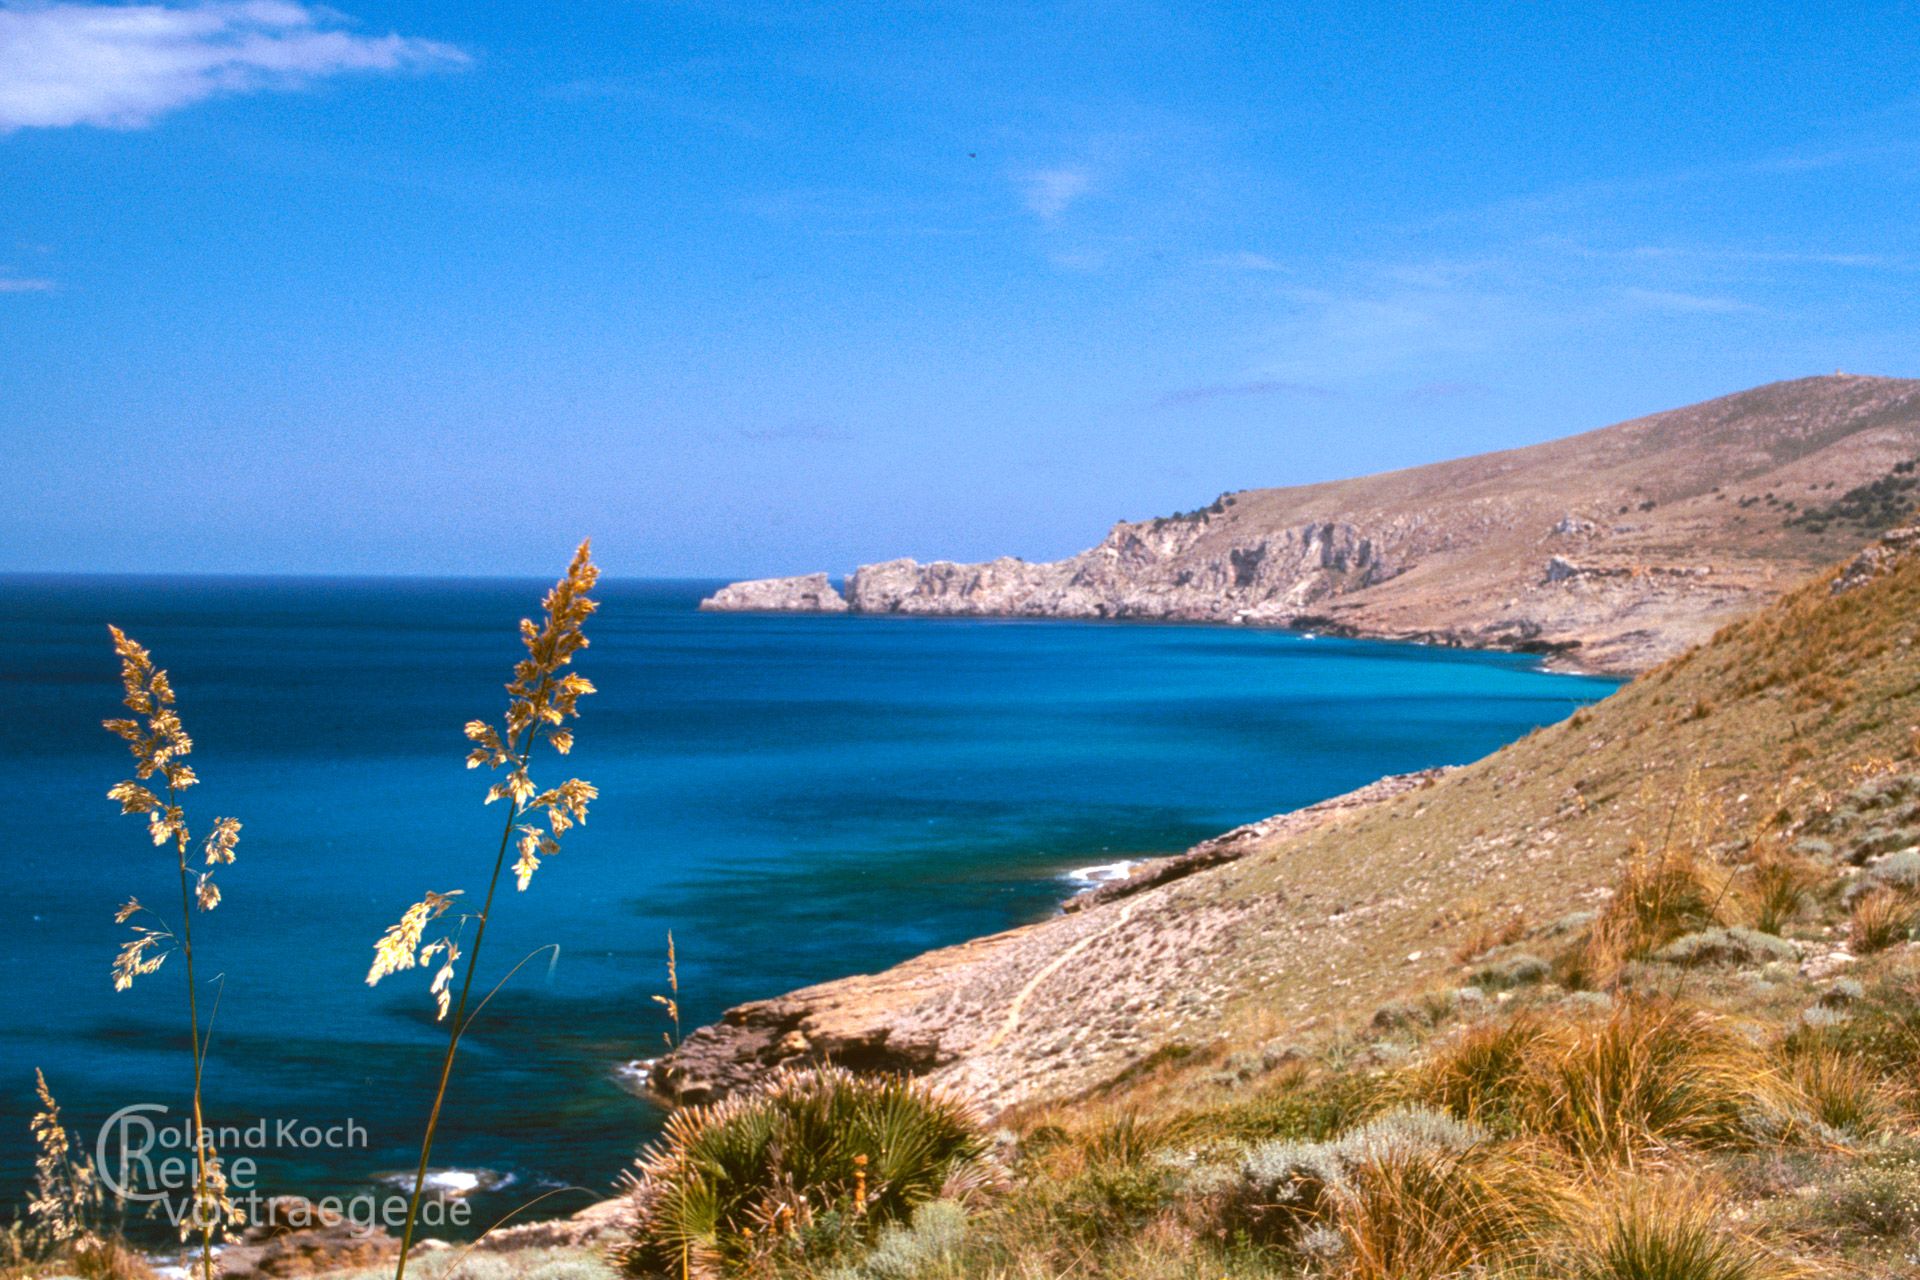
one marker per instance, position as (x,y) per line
(809,593)
(1611,550)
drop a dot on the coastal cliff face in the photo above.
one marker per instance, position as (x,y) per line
(1614,549)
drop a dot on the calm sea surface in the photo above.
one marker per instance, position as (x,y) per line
(797,798)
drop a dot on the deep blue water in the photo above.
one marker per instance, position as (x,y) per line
(797,798)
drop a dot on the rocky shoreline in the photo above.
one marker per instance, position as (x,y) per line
(1037,1011)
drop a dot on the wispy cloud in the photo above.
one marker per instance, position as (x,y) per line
(1243,390)
(18,284)
(1051,192)
(123,66)
(1673,300)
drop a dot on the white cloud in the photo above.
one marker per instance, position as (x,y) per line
(1051,191)
(123,66)
(17,284)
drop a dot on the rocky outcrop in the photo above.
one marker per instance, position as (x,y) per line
(296,1237)
(809,593)
(1894,546)
(1681,521)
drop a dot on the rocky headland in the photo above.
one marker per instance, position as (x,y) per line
(1610,551)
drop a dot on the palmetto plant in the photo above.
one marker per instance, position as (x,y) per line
(540,698)
(160,744)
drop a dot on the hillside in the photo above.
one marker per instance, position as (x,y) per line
(1613,549)
(1333,912)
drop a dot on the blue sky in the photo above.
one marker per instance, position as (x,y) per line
(756,288)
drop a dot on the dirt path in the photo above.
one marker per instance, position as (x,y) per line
(1012,1021)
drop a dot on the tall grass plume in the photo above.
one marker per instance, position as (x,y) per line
(541,697)
(159,744)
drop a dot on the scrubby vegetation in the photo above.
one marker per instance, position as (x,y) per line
(1868,508)
(812,1165)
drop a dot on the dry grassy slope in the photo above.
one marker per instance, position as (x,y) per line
(1785,701)
(1321,923)
(1478,531)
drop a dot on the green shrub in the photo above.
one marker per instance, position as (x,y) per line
(808,1161)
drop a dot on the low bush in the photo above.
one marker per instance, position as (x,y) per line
(1509,972)
(811,1162)
(1734,946)
(930,1244)
(1877,1197)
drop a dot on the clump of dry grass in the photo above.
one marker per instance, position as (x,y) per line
(1655,1075)
(1426,1214)
(1660,896)
(1882,918)
(1489,935)
(1480,1074)
(540,698)
(159,744)
(1777,891)
(1842,1090)
(1669,1230)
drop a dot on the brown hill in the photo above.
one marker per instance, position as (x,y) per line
(1615,548)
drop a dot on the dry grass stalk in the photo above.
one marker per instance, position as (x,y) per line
(540,698)
(67,1199)
(159,744)
(671,1001)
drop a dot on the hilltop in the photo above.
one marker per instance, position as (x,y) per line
(1612,550)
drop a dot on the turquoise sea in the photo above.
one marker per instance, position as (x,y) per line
(796,798)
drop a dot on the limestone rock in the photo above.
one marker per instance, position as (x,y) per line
(809,593)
